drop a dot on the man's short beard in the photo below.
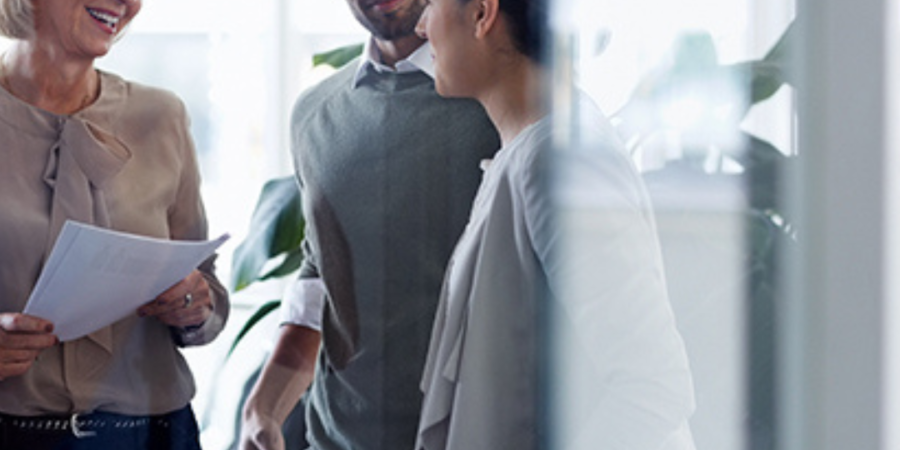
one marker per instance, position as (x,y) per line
(391,34)
(392,29)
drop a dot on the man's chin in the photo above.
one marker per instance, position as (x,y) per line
(394,25)
(391,34)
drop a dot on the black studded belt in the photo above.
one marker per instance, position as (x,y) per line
(82,425)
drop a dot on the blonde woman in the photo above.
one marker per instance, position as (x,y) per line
(82,144)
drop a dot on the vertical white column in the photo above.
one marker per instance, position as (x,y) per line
(278,161)
(833,330)
(892,280)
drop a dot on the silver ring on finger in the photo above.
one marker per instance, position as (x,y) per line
(188,299)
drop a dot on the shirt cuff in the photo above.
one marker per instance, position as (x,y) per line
(303,302)
(206,331)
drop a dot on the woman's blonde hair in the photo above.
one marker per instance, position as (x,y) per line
(16,19)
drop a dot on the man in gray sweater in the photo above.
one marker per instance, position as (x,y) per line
(388,171)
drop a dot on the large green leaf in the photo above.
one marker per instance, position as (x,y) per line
(762,79)
(338,57)
(276,229)
(765,79)
(691,65)
(257,316)
(291,262)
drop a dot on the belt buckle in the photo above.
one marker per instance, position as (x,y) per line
(76,429)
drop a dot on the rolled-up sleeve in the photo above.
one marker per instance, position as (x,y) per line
(303,302)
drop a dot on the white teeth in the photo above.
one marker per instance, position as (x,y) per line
(106,18)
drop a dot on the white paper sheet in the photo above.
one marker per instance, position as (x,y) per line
(95,276)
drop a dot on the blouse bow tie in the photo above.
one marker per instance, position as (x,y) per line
(81,162)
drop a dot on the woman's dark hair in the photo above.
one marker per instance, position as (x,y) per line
(528,22)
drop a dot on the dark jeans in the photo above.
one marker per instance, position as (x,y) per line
(101,431)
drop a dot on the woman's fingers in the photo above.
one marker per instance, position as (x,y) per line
(23,323)
(26,341)
(22,338)
(14,369)
(186,303)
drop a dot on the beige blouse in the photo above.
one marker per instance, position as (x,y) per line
(126,162)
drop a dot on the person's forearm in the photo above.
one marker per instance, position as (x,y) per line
(286,375)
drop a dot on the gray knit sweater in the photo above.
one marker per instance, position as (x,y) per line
(388,171)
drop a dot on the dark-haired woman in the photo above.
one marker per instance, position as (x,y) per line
(562,230)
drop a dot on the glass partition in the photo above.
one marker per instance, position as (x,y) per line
(699,94)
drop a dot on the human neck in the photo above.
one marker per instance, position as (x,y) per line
(398,49)
(515,99)
(42,79)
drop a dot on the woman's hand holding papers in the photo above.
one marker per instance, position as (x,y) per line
(186,304)
(22,339)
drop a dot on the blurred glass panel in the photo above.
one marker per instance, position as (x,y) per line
(698,93)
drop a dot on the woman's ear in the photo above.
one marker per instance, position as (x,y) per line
(486,16)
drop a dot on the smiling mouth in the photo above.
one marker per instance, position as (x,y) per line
(104,17)
(386,5)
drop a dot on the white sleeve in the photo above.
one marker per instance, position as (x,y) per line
(303,302)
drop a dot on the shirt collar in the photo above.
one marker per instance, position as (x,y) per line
(418,60)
